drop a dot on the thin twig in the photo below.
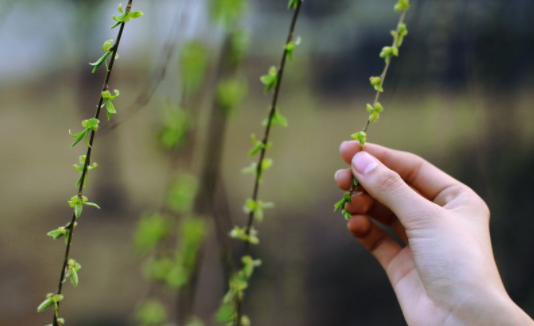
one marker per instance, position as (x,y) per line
(70,226)
(259,168)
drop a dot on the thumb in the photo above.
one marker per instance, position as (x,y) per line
(387,187)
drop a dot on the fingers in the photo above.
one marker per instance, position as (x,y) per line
(387,187)
(423,176)
(375,240)
(363,204)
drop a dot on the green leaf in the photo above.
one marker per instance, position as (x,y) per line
(99,62)
(45,304)
(241,234)
(110,108)
(376,82)
(92,205)
(251,169)
(182,193)
(150,231)
(341,204)
(79,137)
(270,80)
(78,210)
(230,93)
(135,14)
(402,5)
(107,45)
(346,214)
(226,313)
(151,312)
(293,4)
(194,61)
(388,52)
(57,233)
(360,136)
(73,277)
(290,48)
(277,119)
(249,264)
(227,12)
(258,146)
(91,124)
(120,8)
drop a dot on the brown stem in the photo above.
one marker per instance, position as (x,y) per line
(259,169)
(70,227)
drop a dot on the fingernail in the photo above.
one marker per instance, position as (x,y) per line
(364,163)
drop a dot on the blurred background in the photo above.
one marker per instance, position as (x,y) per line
(459,95)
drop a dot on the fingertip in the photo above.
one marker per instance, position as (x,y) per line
(359,226)
(343,178)
(348,149)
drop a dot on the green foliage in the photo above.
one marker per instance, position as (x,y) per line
(360,136)
(293,4)
(194,60)
(125,17)
(108,101)
(345,200)
(290,48)
(239,43)
(88,125)
(402,5)
(276,119)
(176,271)
(377,82)
(79,167)
(72,270)
(77,202)
(227,12)
(150,231)
(374,112)
(108,50)
(249,264)
(257,208)
(51,300)
(230,94)
(388,52)
(182,193)
(270,80)
(266,164)
(258,146)
(175,128)
(241,234)
(151,313)
(400,34)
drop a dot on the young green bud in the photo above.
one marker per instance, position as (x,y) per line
(402,5)
(360,136)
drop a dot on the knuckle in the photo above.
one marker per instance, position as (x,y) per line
(389,180)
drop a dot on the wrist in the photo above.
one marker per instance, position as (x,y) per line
(490,310)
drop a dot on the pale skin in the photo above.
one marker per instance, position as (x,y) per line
(446,274)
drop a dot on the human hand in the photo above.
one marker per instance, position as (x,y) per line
(446,274)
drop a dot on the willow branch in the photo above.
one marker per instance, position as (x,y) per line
(70,227)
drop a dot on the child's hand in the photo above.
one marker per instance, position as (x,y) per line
(446,275)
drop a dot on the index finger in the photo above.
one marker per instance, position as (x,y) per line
(420,174)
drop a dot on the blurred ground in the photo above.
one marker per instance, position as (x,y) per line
(460,96)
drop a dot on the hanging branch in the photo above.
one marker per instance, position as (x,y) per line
(231,310)
(70,268)
(171,266)
(230,91)
(377,82)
